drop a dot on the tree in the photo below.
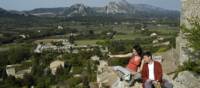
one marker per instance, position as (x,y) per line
(85,80)
(117,46)
(28,80)
(71,38)
(193,34)
(11,81)
(18,54)
(3,73)
(60,71)
(3,58)
(90,32)
(97,51)
(43,82)
(138,26)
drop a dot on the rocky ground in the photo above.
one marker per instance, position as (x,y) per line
(185,79)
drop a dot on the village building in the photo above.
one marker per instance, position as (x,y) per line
(12,70)
(153,34)
(95,58)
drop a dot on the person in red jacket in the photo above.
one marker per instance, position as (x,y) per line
(152,73)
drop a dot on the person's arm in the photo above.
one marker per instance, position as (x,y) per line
(141,66)
(160,72)
(121,55)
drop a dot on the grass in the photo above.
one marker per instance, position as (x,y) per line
(164,31)
(127,30)
(1,35)
(162,49)
(7,46)
(189,65)
(131,36)
(46,40)
(88,42)
(116,37)
(124,37)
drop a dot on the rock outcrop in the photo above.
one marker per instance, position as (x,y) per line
(188,80)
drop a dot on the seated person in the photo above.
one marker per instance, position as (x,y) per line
(152,73)
(134,65)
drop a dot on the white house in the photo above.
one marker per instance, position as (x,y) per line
(11,71)
(153,34)
(60,27)
(95,58)
(155,41)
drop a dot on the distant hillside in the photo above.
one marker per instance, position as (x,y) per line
(3,12)
(114,8)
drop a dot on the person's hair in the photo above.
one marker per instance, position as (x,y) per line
(147,53)
(138,49)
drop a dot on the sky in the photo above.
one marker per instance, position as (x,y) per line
(32,4)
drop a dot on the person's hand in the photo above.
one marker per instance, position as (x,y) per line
(155,82)
(142,62)
(111,56)
(141,66)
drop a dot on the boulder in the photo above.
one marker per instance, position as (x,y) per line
(187,79)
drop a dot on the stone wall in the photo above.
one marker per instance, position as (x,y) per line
(190,9)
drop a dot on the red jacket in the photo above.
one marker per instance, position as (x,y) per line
(157,72)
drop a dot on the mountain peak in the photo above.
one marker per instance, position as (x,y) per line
(78,10)
(113,8)
(78,6)
(1,9)
(118,6)
(121,2)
